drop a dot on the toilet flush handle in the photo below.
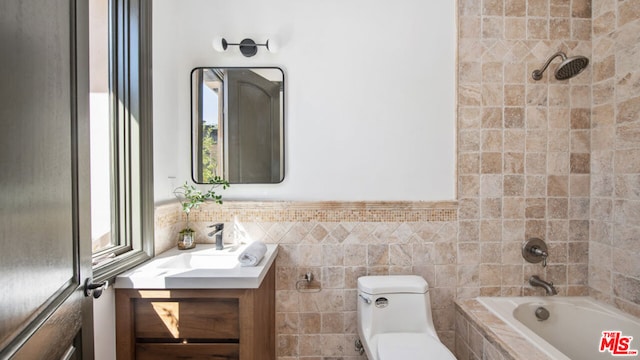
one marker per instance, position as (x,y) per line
(366,299)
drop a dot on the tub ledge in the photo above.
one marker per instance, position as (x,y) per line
(482,335)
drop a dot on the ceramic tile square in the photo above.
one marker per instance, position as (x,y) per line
(492,118)
(559,29)
(513,163)
(537,28)
(515,28)
(581,8)
(492,28)
(514,140)
(514,117)
(491,163)
(537,8)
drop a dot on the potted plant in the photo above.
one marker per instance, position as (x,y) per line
(191,198)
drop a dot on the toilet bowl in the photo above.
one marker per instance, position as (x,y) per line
(394,319)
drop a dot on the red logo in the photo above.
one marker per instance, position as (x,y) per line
(617,344)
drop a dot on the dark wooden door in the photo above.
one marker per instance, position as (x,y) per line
(253,131)
(44,187)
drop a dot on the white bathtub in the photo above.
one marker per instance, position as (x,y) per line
(574,328)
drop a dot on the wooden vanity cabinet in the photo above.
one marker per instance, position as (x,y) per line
(214,324)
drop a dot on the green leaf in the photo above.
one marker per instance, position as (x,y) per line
(191,197)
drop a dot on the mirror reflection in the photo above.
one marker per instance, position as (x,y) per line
(238,125)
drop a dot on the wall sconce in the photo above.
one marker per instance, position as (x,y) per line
(248,47)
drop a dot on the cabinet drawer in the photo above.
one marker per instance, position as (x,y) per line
(187,351)
(186,318)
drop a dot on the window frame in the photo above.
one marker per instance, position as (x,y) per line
(130,101)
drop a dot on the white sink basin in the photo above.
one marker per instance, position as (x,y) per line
(197,261)
(201,268)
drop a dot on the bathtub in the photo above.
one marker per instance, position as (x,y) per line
(574,328)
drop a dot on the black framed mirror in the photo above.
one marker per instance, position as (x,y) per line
(237,124)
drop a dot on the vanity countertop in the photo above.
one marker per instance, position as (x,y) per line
(202,267)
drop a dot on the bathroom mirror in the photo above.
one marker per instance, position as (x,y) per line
(237,124)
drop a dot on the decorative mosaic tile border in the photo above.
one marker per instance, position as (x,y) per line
(166,215)
(396,211)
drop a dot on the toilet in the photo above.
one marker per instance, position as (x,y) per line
(394,319)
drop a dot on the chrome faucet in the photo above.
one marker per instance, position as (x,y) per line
(534,280)
(217,232)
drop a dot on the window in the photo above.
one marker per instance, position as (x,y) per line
(121,138)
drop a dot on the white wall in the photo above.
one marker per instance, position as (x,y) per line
(370,103)
(104,328)
(370,107)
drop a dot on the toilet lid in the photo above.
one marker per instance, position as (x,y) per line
(411,346)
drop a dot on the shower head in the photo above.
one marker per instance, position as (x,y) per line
(571,67)
(568,68)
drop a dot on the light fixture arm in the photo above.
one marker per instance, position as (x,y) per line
(247,47)
(537,74)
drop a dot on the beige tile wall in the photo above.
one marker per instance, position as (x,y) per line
(614,261)
(523,145)
(337,243)
(310,324)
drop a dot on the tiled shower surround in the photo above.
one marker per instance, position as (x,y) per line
(614,247)
(553,159)
(559,160)
(523,146)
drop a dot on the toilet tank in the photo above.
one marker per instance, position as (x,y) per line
(397,304)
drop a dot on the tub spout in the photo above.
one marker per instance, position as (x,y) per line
(534,280)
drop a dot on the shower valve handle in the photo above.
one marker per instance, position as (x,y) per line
(535,250)
(539,252)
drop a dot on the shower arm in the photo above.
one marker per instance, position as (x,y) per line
(537,74)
